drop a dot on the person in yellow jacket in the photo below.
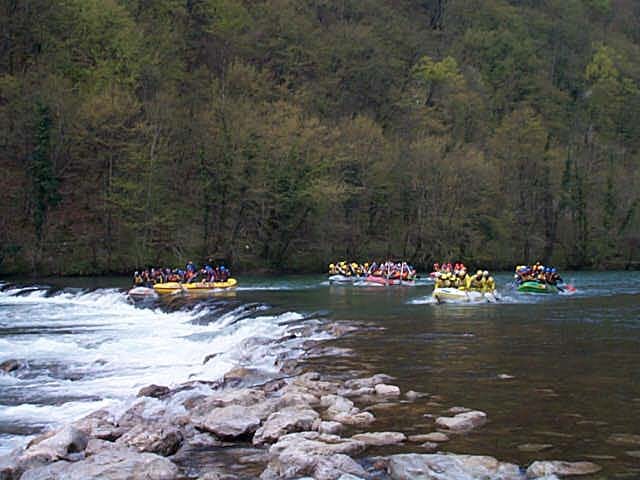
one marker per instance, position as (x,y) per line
(490,285)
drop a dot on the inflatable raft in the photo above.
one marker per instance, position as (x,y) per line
(536,287)
(196,287)
(343,279)
(455,295)
(383,281)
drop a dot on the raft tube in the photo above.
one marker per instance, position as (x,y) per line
(196,287)
(536,287)
(455,295)
(344,279)
(373,280)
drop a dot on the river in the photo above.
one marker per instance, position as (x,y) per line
(555,370)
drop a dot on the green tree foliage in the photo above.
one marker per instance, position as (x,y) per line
(283,134)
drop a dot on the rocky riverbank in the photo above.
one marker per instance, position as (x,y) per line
(251,424)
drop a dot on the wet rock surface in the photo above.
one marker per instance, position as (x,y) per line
(462,422)
(156,391)
(293,424)
(449,466)
(561,469)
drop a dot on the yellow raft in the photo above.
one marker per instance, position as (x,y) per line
(196,287)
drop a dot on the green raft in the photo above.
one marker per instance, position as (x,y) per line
(537,287)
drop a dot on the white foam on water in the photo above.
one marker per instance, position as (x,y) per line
(107,349)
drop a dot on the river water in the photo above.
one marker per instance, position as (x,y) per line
(556,370)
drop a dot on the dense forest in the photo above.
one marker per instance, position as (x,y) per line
(282,134)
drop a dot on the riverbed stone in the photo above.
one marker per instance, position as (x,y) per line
(387,390)
(113,464)
(330,427)
(429,437)
(412,395)
(164,440)
(100,424)
(414,466)
(367,382)
(155,391)
(624,439)
(230,422)
(457,410)
(9,366)
(360,419)
(324,457)
(54,445)
(463,421)
(379,439)
(336,404)
(429,446)
(287,420)
(534,447)
(561,468)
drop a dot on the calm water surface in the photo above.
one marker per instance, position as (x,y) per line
(560,370)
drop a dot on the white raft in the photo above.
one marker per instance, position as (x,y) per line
(343,279)
(455,295)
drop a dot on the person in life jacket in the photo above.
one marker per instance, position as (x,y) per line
(137,279)
(475,281)
(490,286)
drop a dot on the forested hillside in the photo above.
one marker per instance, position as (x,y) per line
(281,134)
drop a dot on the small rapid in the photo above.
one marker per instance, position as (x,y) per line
(83,350)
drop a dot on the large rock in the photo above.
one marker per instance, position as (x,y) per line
(450,467)
(244,396)
(379,439)
(463,421)
(310,453)
(61,443)
(360,419)
(316,444)
(287,420)
(368,382)
(155,391)
(429,437)
(336,467)
(561,469)
(230,422)
(154,438)
(112,464)
(330,427)
(336,404)
(99,424)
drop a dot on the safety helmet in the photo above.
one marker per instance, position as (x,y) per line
(485,273)
(479,273)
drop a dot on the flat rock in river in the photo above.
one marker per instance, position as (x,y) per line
(379,439)
(429,437)
(561,469)
(155,391)
(324,457)
(287,420)
(153,438)
(624,439)
(463,421)
(534,447)
(231,422)
(113,464)
(414,466)
(388,390)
